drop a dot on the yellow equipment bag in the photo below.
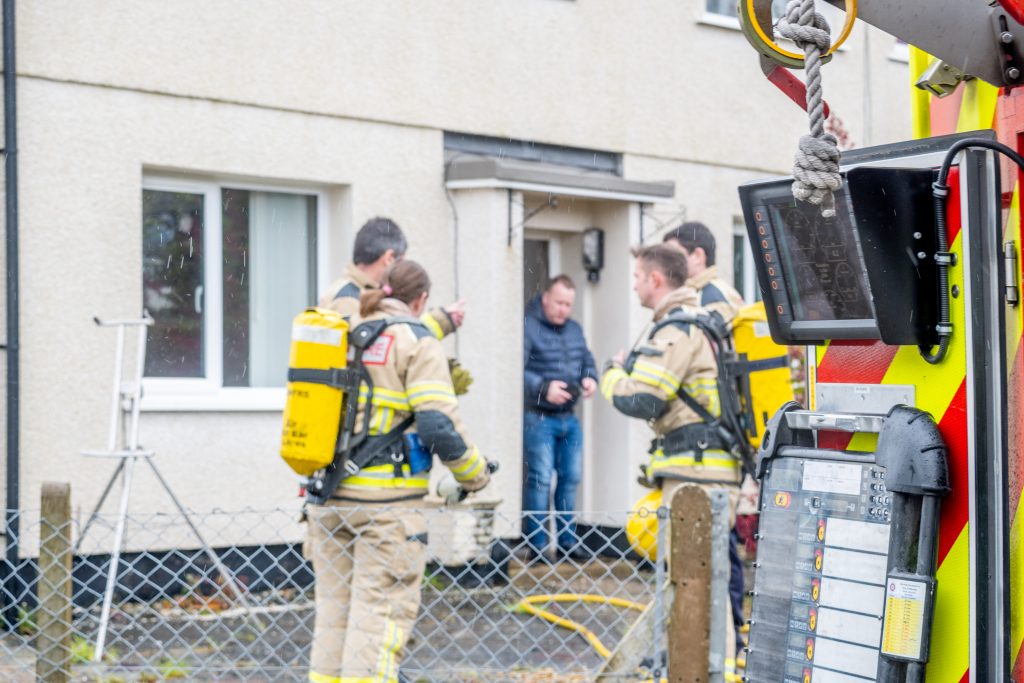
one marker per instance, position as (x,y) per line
(313,411)
(770,381)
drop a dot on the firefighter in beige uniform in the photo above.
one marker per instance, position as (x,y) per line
(714,294)
(378,245)
(672,363)
(367,544)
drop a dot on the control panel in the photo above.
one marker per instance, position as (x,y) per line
(821,571)
(866,273)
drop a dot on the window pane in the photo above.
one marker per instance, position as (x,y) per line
(172,281)
(739,252)
(236,291)
(726,7)
(269,276)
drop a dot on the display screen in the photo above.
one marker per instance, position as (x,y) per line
(821,258)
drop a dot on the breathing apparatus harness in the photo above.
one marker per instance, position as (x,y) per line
(727,431)
(356,450)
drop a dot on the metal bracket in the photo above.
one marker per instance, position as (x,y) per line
(835,422)
(1008,48)
(940,78)
(1010,271)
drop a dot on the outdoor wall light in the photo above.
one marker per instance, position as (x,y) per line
(593,253)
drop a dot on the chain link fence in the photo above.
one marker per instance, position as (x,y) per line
(490,609)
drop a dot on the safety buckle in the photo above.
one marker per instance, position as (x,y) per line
(945,258)
(702,444)
(351,468)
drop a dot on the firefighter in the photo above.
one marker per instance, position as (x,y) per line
(668,379)
(367,543)
(718,298)
(379,244)
(714,294)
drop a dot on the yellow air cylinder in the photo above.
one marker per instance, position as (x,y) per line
(642,525)
(312,412)
(769,389)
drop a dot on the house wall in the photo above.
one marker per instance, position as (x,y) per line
(351,99)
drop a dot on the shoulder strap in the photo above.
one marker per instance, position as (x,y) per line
(350,291)
(677,317)
(419,329)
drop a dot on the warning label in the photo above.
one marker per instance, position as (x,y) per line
(905,603)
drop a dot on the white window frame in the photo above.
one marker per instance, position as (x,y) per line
(750,283)
(731,21)
(199,394)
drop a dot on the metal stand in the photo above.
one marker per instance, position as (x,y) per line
(124,419)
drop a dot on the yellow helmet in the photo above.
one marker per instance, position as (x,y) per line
(642,525)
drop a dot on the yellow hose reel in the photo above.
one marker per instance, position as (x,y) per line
(756,21)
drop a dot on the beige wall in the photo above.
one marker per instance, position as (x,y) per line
(85,150)
(351,98)
(645,78)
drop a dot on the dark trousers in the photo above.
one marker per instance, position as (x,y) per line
(736,587)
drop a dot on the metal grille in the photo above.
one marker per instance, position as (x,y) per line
(490,610)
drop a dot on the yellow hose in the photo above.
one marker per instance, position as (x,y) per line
(528,605)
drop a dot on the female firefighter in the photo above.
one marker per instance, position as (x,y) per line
(367,543)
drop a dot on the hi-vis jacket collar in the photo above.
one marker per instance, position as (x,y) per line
(353,273)
(699,282)
(684,296)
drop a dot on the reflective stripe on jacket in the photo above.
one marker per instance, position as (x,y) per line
(410,375)
(678,357)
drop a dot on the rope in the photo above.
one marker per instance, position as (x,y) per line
(816,164)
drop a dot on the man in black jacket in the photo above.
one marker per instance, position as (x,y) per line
(559,369)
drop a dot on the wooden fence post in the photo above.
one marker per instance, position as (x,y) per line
(53,640)
(690,574)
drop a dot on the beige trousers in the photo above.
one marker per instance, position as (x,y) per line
(369,561)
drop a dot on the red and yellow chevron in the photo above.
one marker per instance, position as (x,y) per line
(941,390)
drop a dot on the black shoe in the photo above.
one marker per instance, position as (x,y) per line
(577,554)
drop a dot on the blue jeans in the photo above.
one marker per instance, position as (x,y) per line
(552,444)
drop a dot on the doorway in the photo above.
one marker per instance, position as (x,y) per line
(536,267)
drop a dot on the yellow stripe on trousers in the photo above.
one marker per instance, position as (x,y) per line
(387,663)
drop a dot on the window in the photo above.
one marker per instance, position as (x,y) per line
(723,13)
(724,7)
(744,273)
(225,269)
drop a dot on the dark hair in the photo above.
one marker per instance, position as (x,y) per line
(694,234)
(668,261)
(405,281)
(375,237)
(563,280)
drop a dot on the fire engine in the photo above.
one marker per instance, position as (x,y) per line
(892,536)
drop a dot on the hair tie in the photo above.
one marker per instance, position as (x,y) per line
(387,290)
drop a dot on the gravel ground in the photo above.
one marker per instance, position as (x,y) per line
(463,635)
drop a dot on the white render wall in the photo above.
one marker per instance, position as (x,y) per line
(643,77)
(85,151)
(351,98)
